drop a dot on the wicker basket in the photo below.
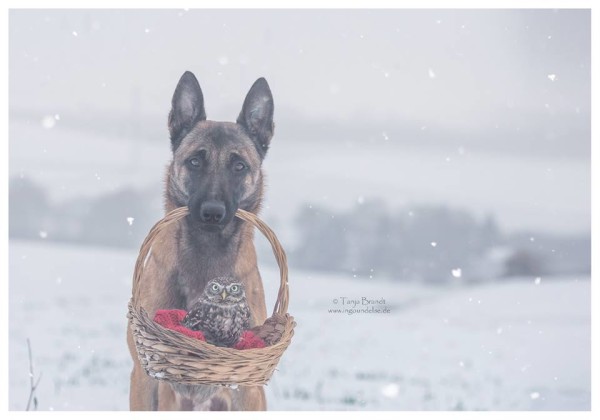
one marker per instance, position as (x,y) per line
(171,356)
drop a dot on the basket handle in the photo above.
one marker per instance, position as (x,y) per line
(283,296)
(281,304)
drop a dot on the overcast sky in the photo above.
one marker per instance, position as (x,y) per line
(522,74)
(454,66)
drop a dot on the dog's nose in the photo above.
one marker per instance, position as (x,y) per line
(212,211)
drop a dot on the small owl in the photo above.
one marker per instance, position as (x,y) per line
(221,313)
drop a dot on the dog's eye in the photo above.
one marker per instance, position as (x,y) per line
(195,162)
(239,166)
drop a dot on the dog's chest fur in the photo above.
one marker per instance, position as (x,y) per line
(200,259)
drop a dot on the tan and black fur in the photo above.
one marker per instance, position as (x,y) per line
(216,169)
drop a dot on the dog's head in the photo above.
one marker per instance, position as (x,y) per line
(216,166)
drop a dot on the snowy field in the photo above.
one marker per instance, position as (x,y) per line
(505,346)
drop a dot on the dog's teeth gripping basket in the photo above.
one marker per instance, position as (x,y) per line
(174,357)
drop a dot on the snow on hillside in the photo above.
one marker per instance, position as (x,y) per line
(519,345)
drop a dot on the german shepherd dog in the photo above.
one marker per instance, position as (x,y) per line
(216,169)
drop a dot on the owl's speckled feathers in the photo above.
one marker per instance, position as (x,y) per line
(222,313)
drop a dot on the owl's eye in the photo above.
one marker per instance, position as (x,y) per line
(214,287)
(234,288)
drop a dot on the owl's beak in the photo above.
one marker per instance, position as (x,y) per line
(224,294)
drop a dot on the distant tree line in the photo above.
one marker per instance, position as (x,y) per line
(423,243)
(118,219)
(429,243)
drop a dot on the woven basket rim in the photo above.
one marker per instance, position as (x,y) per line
(231,350)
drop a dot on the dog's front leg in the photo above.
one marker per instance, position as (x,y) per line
(249,398)
(143,391)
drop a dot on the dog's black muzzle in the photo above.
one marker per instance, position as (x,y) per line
(211,215)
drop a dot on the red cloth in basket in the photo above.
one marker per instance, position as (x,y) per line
(172,318)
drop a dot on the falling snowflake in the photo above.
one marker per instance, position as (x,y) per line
(431,73)
(434,244)
(43,234)
(534,395)
(48,121)
(552,77)
(75,33)
(538,280)
(390,390)
(360,199)
(456,272)
(223,60)
(130,220)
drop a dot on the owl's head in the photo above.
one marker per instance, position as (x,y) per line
(224,290)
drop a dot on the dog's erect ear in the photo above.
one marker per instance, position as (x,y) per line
(187,108)
(257,115)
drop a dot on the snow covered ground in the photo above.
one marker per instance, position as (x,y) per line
(504,346)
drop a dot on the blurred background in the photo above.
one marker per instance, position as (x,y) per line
(436,159)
